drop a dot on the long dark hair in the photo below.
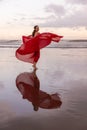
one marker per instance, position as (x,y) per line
(33,33)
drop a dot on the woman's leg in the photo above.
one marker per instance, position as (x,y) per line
(34,64)
(36,57)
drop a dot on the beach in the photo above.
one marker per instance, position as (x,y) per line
(61,71)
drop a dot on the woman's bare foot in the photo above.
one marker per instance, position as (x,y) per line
(34,65)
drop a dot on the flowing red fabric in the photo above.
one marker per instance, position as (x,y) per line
(29,51)
(29,86)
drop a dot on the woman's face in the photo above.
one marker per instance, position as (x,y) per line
(37,28)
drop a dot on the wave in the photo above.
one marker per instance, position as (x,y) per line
(61,44)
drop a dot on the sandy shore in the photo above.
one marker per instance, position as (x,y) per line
(61,71)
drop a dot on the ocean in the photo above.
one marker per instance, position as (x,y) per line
(61,44)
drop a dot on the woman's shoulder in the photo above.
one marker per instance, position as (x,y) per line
(37,33)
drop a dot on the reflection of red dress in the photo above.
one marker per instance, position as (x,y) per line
(29,51)
(29,86)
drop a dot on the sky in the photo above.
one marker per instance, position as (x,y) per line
(63,17)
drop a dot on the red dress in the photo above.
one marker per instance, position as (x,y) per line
(29,51)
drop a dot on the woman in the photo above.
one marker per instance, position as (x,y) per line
(29,51)
(34,34)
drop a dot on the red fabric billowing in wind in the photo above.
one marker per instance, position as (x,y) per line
(29,51)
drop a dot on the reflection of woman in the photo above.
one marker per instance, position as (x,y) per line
(29,86)
(29,51)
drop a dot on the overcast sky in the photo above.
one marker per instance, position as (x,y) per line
(66,17)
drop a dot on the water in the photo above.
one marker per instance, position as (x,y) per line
(60,71)
(61,44)
(10,43)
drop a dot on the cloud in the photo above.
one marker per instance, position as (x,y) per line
(55,9)
(76,1)
(1,0)
(58,16)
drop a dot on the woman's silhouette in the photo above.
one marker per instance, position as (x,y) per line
(29,86)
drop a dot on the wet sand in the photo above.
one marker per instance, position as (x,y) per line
(60,71)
